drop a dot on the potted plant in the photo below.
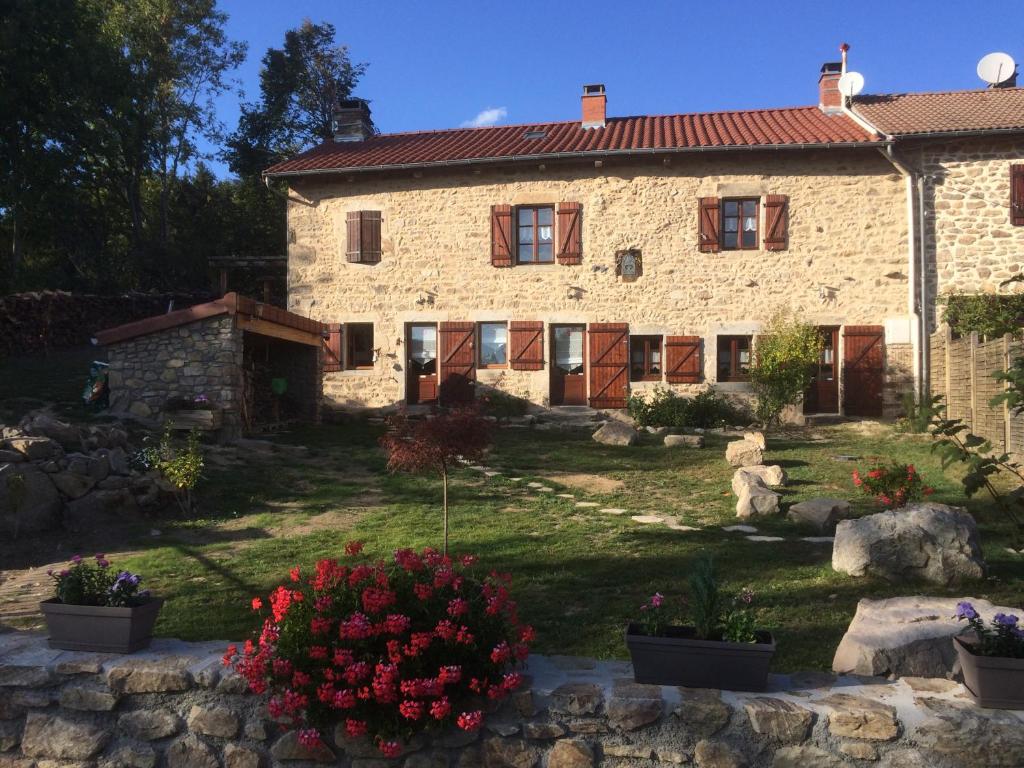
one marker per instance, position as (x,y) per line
(721,649)
(992,659)
(95,608)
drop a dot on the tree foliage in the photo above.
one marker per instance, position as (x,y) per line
(786,356)
(436,444)
(987,314)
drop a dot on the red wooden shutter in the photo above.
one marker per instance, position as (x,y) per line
(526,345)
(332,348)
(863,369)
(570,233)
(776,222)
(501,235)
(683,360)
(609,364)
(458,362)
(363,233)
(708,225)
(1017,195)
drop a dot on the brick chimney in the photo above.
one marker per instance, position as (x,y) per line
(352,121)
(830,100)
(594,106)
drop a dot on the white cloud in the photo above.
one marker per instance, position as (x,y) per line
(489,116)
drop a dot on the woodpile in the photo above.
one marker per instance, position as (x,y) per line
(32,322)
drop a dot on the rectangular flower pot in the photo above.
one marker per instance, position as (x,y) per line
(995,682)
(679,658)
(100,628)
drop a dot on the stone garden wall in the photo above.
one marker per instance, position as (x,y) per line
(175,706)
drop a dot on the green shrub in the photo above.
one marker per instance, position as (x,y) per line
(664,408)
(917,416)
(786,357)
(987,314)
(503,406)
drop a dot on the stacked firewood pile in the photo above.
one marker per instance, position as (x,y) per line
(31,322)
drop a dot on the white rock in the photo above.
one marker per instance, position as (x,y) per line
(757,438)
(616,433)
(772,476)
(648,519)
(906,636)
(612,511)
(764,538)
(757,501)
(684,441)
(929,541)
(743,453)
(587,504)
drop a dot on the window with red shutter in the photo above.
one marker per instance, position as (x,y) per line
(776,222)
(708,239)
(501,235)
(363,237)
(683,364)
(332,348)
(526,345)
(570,233)
(1017,195)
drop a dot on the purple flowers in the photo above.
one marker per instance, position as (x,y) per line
(93,583)
(1003,620)
(965,610)
(1002,638)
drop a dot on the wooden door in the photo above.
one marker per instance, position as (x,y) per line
(421,363)
(458,363)
(609,364)
(568,365)
(822,395)
(863,369)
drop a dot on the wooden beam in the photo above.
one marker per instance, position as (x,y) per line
(265,328)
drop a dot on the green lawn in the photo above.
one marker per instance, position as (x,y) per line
(579,574)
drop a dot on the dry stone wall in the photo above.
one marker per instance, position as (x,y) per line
(176,706)
(846,262)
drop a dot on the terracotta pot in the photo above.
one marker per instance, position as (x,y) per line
(679,658)
(99,628)
(995,682)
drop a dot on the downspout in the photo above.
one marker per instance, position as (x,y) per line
(923,277)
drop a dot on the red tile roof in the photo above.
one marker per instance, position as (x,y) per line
(797,126)
(902,114)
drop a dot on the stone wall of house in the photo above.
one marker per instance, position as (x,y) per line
(176,706)
(846,262)
(201,358)
(971,245)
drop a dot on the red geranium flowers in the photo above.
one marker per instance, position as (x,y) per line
(386,650)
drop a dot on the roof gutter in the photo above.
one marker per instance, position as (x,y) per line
(569,156)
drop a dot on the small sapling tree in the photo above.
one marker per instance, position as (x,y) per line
(785,359)
(436,444)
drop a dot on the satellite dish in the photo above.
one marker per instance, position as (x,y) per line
(996,67)
(851,84)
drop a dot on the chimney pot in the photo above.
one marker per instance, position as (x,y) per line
(352,121)
(595,104)
(830,100)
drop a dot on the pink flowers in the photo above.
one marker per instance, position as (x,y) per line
(470,721)
(893,485)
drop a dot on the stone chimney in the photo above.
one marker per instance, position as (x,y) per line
(830,100)
(352,121)
(594,106)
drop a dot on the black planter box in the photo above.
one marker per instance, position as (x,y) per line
(100,628)
(995,682)
(681,659)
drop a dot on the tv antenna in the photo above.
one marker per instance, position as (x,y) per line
(996,68)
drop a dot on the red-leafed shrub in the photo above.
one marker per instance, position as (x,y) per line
(386,649)
(436,444)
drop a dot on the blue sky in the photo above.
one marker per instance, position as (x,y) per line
(442,64)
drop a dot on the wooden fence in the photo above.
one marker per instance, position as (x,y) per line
(962,372)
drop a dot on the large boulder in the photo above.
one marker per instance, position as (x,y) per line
(744,453)
(36,448)
(823,514)
(906,636)
(928,541)
(757,438)
(43,424)
(617,433)
(29,502)
(756,500)
(772,476)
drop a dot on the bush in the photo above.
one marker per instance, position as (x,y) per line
(893,485)
(917,416)
(785,359)
(664,408)
(502,406)
(989,315)
(388,650)
(86,583)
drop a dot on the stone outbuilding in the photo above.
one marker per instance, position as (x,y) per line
(236,362)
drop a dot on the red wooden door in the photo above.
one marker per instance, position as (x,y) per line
(863,369)
(822,395)
(568,365)
(458,363)
(609,365)
(421,364)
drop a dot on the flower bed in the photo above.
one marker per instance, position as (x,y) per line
(385,650)
(892,485)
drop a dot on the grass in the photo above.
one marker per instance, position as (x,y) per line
(579,574)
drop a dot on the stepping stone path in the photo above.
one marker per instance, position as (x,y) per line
(535,485)
(566,496)
(613,511)
(587,504)
(764,538)
(739,529)
(648,519)
(819,539)
(491,473)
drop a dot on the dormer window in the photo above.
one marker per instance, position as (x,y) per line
(535,239)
